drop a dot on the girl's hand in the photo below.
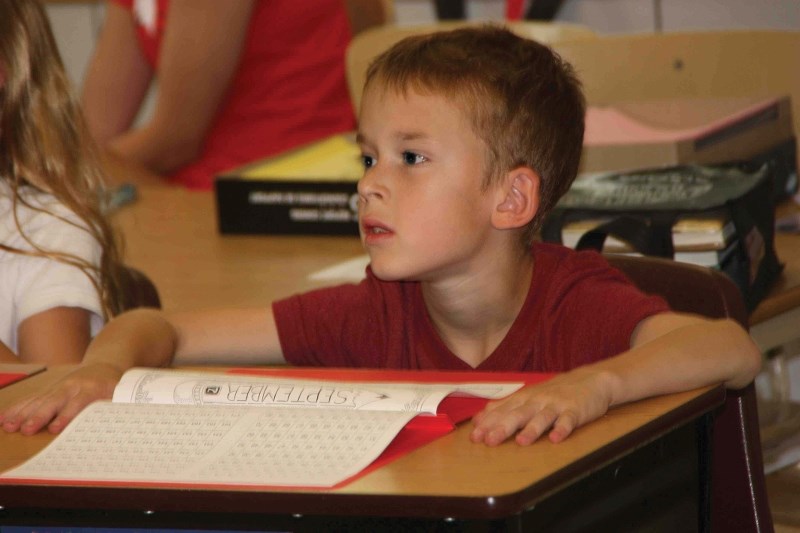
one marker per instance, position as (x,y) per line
(58,406)
(559,405)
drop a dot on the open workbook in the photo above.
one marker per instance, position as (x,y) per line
(173,427)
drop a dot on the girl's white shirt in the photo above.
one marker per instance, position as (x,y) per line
(31,285)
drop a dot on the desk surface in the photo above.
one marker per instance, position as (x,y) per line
(785,294)
(453,476)
(171,235)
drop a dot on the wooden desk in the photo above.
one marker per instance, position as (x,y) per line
(774,322)
(785,295)
(637,461)
(171,235)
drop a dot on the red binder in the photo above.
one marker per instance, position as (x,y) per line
(421,429)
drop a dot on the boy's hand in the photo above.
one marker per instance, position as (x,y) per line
(560,405)
(58,406)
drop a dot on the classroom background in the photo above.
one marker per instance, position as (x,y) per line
(76,24)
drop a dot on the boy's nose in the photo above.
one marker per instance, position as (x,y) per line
(370,186)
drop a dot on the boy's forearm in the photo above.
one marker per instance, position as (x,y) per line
(143,337)
(6,355)
(694,355)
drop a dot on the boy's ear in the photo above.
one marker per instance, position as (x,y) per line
(518,199)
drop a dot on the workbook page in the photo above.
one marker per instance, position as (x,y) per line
(142,385)
(215,445)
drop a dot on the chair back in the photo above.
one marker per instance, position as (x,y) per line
(366,14)
(685,65)
(369,44)
(738,488)
(137,289)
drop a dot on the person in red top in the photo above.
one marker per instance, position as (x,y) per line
(236,82)
(468,138)
(578,310)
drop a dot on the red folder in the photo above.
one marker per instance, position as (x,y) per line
(421,429)
(13,372)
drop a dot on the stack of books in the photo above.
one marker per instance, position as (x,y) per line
(698,205)
(706,241)
(310,190)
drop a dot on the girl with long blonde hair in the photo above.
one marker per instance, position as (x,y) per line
(59,262)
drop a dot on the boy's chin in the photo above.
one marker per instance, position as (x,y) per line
(387,276)
(385,273)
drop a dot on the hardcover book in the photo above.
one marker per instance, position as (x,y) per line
(652,133)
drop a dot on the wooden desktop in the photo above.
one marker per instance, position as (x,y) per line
(785,294)
(646,455)
(171,235)
(774,322)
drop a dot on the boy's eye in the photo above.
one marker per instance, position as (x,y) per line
(410,158)
(367,161)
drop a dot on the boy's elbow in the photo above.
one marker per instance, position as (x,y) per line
(748,356)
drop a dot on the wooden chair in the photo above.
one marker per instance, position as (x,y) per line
(366,14)
(702,64)
(367,45)
(138,290)
(738,489)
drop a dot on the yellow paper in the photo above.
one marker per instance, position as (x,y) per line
(336,158)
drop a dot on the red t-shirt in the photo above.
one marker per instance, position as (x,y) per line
(289,89)
(578,310)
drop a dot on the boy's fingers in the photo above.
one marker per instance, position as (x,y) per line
(564,426)
(33,424)
(33,414)
(499,425)
(18,414)
(65,415)
(58,407)
(494,404)
(537,425)
(39,414)
(11,414)
(493,428)
(496,408)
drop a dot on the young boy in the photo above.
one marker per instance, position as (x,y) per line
(468,138)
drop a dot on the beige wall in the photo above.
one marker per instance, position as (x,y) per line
(76,22)
(625,16)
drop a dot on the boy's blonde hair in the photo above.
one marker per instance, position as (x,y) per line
(44,144)
(523,101)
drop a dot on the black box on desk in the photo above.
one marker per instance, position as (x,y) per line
(307,191)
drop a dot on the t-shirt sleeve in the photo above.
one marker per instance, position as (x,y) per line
(598,310)
(45,283)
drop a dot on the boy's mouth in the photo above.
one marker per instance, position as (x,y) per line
(372,227)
